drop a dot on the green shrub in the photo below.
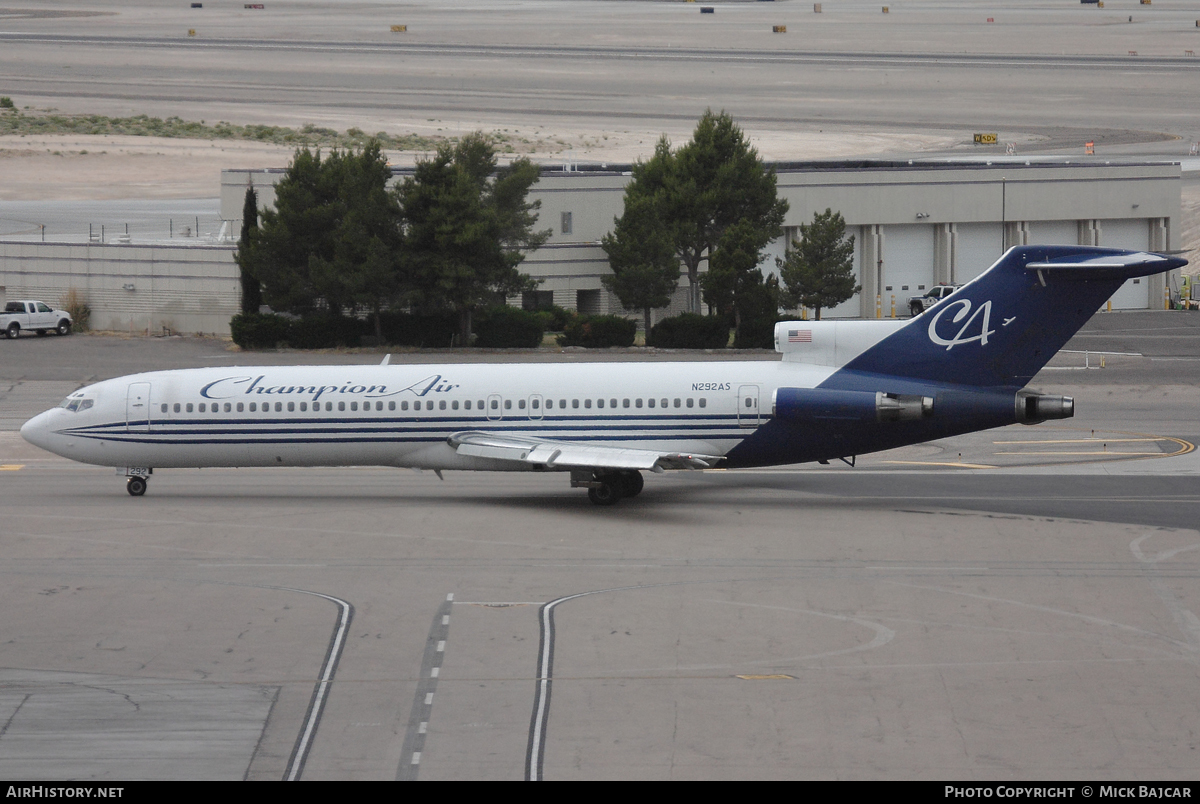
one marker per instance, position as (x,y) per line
(259,330)
(508,327)
(599,332)
(555,318)
(417,329)
(325,332)
(690,331)
(758,333)
(7,103)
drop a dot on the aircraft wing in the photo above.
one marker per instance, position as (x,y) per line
(567,454)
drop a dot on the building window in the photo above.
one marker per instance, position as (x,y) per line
(567,223)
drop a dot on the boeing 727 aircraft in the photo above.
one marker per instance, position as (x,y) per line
(842,389)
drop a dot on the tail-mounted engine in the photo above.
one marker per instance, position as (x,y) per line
(822,404)
(1033,408)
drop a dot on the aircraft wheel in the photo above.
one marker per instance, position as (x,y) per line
(136,486)
(64,327)
(604,494)
(632,483)
(13,330)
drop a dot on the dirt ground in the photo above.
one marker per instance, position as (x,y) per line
(74,167)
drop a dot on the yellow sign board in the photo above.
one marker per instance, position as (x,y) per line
(985,139)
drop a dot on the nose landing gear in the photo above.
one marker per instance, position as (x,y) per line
(136,479)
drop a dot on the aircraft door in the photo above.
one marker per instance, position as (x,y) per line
(535,406)
(137,408)
(748,405)
(495,408)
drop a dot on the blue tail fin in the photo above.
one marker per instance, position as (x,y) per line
(1001,329)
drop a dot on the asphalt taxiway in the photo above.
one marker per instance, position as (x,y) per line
(1026,610)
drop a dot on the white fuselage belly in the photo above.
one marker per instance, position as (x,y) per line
(402,415)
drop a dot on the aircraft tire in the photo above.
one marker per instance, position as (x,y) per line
(606,493)
(136,486)
(632,483)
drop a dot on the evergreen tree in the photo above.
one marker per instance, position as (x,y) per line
(712,182)
(252,298)
(819,268)
(645,270)
(467,226)
(333,240)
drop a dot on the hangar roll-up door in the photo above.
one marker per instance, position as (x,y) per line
(1132,234)
(977,249)
(908,260)
(1054,233)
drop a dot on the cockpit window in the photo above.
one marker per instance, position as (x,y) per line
(75,404)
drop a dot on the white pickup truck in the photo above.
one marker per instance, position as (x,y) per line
(33,315)
(919,304)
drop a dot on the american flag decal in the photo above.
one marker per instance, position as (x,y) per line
(799,336)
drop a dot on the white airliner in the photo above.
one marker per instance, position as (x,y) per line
(842,389)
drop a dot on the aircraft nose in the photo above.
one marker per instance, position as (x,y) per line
(37,431)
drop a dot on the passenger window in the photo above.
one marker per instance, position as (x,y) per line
(202,405)
(703,401)
(164,407)
(676,401)
(749,402)
(495,404)
(429,404)
(177,407)
(599,403)
(291,407)
(562,404)
(253,407)
(689,402)
(575,403)
(508,404)
(587,403)
(341,405)
(303,407)
(228,407)
(241,407)
(454,404)
(392,405)
(664,402)
(637,403)
(521,404)
(467,404)
(612,403)
(534,403)
(650,402)
(189,407)
(328,406)
(625,403)
(353,406)
(404,405)
(441,404)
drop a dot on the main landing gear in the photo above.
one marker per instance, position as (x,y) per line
(136,481)
(606,487)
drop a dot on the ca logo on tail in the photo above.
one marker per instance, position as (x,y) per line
(963,306)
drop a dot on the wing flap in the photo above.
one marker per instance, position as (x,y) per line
(566,454)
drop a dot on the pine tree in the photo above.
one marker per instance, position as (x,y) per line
(819,268)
